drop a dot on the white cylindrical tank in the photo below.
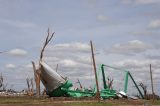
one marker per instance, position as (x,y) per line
(50,78)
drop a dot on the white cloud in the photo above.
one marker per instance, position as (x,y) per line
(102,18)
(10,66)
(68,63)
(137,63)
(129,48)
(61,50)
(17,52)
(75,46)
(154,24)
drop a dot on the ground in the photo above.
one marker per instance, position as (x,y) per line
(62,101)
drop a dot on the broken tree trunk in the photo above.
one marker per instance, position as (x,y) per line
(37,79)
(28,84)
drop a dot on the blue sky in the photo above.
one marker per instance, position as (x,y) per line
(125,34)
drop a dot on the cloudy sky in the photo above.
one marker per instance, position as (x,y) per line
(125,34)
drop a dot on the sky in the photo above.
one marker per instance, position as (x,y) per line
(125,34)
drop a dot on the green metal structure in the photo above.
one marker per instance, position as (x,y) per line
(126,84)
(127,75)
(65,90)
(106,93)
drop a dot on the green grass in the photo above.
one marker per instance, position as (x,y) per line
(21,100)
(155,102)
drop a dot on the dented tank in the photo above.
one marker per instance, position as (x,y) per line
(50,78)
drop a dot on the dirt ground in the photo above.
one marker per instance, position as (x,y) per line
(66,101)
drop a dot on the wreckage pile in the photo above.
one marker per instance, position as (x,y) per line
(57,86)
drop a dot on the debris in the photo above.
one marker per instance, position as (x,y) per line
(122,94)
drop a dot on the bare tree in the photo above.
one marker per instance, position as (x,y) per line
(37,71)
(1,80)
(48,39)
(144,87)
(30,86)
(80,85)
(110,83)
(3,86)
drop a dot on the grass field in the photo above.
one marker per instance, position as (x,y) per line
(33,101)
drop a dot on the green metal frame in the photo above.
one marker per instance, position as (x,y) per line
(103,76)
(126,83)
(106,93)
(127,74)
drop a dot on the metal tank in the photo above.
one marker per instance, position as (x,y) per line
(50,78)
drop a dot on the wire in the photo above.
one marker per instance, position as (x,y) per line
(114,68)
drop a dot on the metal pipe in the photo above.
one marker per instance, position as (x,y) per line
(136,85)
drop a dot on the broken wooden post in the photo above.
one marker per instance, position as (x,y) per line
(37,79)
(32,89)
(151,82)
(95,72)
(28,84)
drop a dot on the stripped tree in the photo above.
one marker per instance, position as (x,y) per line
(37,71)
(3,86)
(80,85)
(110,83)
(30,86)
(1,81)
(144,88)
